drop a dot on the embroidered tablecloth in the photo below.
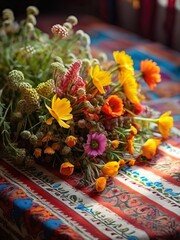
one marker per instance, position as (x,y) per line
(142,202)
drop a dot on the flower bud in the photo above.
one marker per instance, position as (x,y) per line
(67,168)
(16,75)
(66,150)
(73,20)
(82,123)
(59,30)
(31,19)
(67,25)
(33,139)
(32,10)
(100,184)
(71,141)
(25,134)
(8,14)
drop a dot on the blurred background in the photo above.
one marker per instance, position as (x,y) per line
(155,20)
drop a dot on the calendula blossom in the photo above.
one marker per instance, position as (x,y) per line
(150,72)
(100,184)
(100,78)
(124,61)
(113,106)
(150,147)
(165,123)
(60,110)
(110,169)
(67,168)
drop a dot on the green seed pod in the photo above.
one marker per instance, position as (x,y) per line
(15,77)
(33,139)
(31,19)
(32,10)
(8,14)
(65,150)
(73,20)
(25,134)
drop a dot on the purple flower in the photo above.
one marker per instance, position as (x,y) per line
(96,144)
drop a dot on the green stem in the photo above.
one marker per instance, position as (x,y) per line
(146,119)
(4,117)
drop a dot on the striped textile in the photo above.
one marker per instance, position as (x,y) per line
(142,202)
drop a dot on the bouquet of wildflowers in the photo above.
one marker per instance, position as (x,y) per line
(65,108)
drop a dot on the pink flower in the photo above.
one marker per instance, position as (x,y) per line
(96,144)
(59,30)
(71,81)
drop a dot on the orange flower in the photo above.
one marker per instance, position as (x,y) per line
(49,150)
(100,184)
(130,145)
(122,162)
(67,168)
(149,148)
(133,132)
(131,162)
(165,123)
(56,146)
(151,72)
(71,141)
(113,106)
(110,169)
(37,152)
(130,86)
(115,143)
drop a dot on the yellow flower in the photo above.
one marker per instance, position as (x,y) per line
(124,60)
(150,146)
(100,184)
(71,141)
(130,86)
(111,168)
(100,78)
(60,110)
(67,168)
(165,123)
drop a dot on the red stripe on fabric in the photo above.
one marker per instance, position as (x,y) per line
(57,203)
(159,173)
(120,213)
(147,200)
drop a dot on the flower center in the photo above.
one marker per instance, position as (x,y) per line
(94,144)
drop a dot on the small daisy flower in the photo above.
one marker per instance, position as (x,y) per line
(96,144)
